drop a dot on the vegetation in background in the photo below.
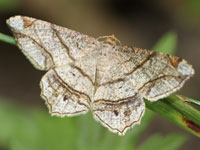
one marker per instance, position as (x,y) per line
(8,5)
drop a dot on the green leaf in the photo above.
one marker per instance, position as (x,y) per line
(159,142)
(8,5)
(189,100)
(167,43)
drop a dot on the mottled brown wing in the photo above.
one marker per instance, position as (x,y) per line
(47,45)
(153,75)
(117,106)
(66,90)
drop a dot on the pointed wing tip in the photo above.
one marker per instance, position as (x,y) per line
(185,68)
(19,22)
(15,22)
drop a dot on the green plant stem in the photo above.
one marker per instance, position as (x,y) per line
(178,111)
(7,39)
(174,108)
(189,100)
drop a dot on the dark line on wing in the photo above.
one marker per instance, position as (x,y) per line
(62,43)
(154,80)
(20,47)
(111,109)
(121,101)
(51,109)
(142,63)
(55,92)
(83,74)
(39,45)
(70,86)
(56,78)
(127,60)
(113,81)
(67,90)
(182,80)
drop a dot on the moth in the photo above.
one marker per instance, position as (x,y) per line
(98,74)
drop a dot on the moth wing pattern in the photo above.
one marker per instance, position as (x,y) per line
(97,74)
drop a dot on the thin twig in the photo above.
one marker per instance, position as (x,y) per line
(7,39)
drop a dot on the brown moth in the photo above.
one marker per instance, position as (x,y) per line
(99,74)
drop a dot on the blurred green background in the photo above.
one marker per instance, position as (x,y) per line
(24,120)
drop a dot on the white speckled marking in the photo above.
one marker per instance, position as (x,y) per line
(16,23)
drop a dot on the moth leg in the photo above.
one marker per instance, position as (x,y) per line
(61,99)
